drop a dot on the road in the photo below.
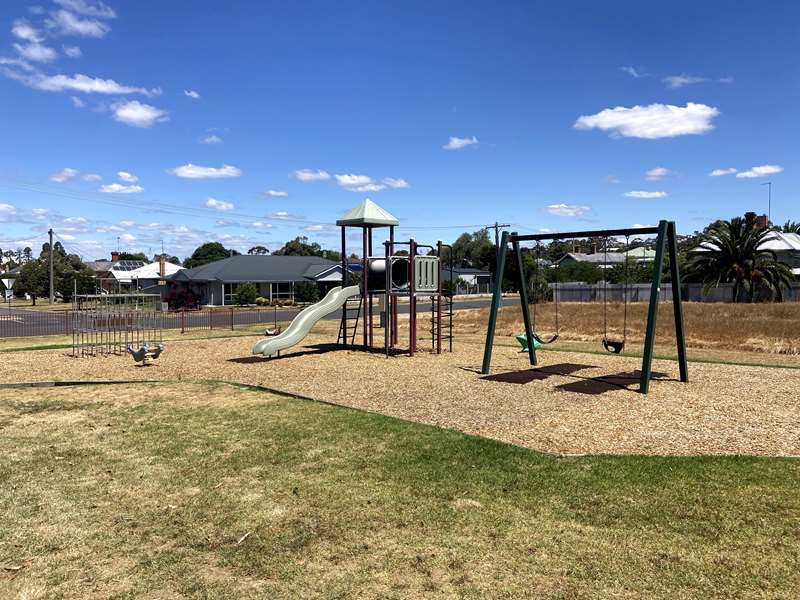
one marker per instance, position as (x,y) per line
(21,322)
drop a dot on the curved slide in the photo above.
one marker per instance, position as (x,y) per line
(303,322)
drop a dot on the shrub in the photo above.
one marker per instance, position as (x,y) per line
(246,294)
(306,291)
(261,301)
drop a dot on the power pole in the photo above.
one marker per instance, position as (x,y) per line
(497,227)
(52,295)
(769,202)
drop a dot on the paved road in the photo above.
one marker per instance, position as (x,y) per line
(21,322)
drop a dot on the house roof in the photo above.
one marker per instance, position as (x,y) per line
(596,258)
(148,271)
(368,213)
(777,241)
(257,269)
(99,265)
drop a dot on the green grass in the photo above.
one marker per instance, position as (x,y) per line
(147,491)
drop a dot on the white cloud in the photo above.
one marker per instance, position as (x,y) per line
(23,30)
(211,139)
(761,171)
(633,72)
(190,171)
(457,143)
(721,172)
(282,215)
(64,175)
(351,180)
(678,81)
(77,102)
(127,177)
(72,51)
(36,52)
(261,225)
(641,194)
(651,122)
(192,94)
(118,188)
(657,174)
(68,23)
(276,193)
(137,114)
(367,187)
(39,212)
(92,177)
(611,179)
(8,212)
(78,83)
(220,205)
(307,175)
(128,237)
(567,210)
(396,183)
(90,9)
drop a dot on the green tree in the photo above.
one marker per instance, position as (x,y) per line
(246,293)
(474,250)
(791,227)
(306,291)
(133,256)
(258,250)
(208,253)
(34,280)
(731,252)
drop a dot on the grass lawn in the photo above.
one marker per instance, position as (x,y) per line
(216,491)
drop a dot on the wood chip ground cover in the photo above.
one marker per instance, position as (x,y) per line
(577,404)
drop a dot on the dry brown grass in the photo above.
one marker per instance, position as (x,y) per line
(758,328)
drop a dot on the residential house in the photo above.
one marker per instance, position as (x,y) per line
(468,279)
(216,283)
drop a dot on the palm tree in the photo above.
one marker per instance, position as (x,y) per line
(731,252)
(790,227)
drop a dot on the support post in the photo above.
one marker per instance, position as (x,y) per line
(439,273)
(364,282)
(497,299)
(677,301)
(652,310)
(523,298)
(394,337)
(412,298)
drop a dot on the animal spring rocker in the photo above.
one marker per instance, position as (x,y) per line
(147,354)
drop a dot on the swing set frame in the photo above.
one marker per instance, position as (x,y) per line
(665,236)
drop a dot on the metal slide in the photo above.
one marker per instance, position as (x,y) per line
(303,322)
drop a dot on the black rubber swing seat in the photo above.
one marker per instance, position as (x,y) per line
(541,341)
(615,347)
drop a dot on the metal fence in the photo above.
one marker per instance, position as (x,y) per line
(20,322)
(640,292)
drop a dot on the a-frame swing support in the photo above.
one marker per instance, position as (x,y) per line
(666,236)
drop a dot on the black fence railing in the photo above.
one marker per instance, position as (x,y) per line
(20,322)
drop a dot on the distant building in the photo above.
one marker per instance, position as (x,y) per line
(112,275)
(216,283)
(469,280)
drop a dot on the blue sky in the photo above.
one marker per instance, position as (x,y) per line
(254,122)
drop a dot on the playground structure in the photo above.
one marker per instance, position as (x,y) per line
(110,324)
(400,272)
(665,236)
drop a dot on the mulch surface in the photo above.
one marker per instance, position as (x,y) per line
(572,404)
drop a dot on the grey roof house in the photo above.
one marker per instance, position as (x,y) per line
(216,283)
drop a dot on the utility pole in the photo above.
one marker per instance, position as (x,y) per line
(497,227)
(52,295)
(769,202)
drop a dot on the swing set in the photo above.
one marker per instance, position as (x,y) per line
(532,339)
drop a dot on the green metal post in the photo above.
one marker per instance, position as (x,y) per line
(677,301)
(652,311)
(523,298)
(497,299)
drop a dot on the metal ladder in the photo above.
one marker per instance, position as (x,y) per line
(345,330)
(447,323)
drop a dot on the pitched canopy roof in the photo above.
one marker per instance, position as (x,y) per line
(368,213)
